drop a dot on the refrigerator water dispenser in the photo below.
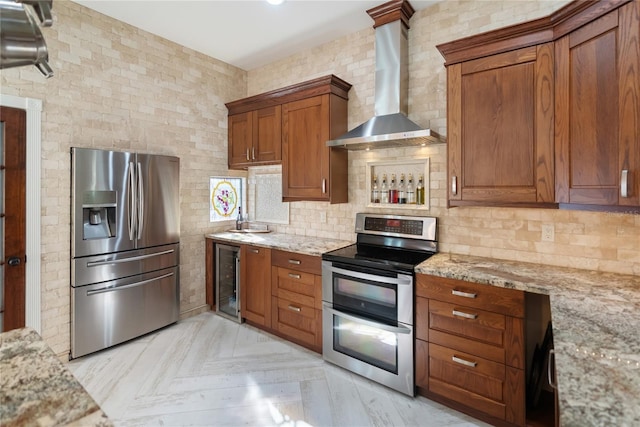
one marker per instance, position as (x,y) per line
(99,214)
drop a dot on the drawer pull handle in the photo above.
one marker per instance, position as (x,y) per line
(550,365)
(294,308)
(255,251)
(295,261)
(624,183)
(294,276)
(464,362)
(463,294)
(465,315)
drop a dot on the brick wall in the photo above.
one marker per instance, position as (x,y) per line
(117,87)
(598,241)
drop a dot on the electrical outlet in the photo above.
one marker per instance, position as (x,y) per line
(548,233)
(323,217)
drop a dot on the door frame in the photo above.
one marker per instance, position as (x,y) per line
(33,107)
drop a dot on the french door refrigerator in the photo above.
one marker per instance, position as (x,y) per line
(125,246)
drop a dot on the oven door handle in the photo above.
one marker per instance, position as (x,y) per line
(400,280)
(373,324)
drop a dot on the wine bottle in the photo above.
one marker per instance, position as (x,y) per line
(393,190)
(375,192)
(402,191)
(411,192)
(384,190)
(239,219)
(420,191)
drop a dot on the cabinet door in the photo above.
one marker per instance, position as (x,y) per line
(240,140)
(255,288)
(305,156)
(598,111)
(267,139)
(500,121)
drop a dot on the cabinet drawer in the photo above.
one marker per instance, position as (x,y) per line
(301,262)
(474,295)
(480,325)
(467,379)
(298,322)
(298,286)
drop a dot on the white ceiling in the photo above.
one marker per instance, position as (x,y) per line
(244,33)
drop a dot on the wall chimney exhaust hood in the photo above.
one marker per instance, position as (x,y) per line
(390,127)
(21,41)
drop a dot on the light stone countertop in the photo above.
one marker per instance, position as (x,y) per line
(596,332)
(314,246)
(36,389)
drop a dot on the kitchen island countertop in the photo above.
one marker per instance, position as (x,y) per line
(37,389)
(314,246)
(596,331)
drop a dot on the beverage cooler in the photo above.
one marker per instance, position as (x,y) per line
(227,273)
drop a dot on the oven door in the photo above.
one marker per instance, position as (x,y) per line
(378,351)
(369,292)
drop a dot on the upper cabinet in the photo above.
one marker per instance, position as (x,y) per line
(500,128)
(291,126)
(598,111)
(255,138)
(547,112)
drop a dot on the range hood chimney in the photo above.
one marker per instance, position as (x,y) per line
(390,127)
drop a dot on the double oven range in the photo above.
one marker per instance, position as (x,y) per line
(368,298)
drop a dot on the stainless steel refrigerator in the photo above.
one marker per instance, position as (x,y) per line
(125,246)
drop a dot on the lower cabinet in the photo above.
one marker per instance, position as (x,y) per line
(296,302)
(255,289)
(470,349)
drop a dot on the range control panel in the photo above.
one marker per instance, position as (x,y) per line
(401,226)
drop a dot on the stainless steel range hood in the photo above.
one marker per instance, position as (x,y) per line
(390,127)
(21,41)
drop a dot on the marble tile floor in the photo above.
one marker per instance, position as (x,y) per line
(210,371)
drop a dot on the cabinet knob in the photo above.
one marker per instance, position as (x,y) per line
(454,185)
(624,183)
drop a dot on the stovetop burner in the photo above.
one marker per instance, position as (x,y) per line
(377,257)
(388,242)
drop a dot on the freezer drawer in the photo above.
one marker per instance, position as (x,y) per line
(112,312)
(107,267)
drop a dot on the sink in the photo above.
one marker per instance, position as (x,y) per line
(250,230)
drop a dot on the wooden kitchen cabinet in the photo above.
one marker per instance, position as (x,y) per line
(310,169)
(291,126)
(598,111)
(470,348)
(255,138)
(547,113)
(500,128)
(255,285)
(296,288)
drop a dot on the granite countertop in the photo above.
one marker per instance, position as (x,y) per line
(596,332)
(314,246)
(36,389)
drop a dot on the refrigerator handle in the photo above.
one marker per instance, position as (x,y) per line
(140,196)
(133,212)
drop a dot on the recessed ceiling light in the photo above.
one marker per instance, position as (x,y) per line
(275,2)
